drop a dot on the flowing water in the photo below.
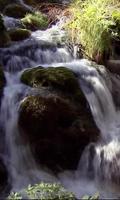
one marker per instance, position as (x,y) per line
(99,167)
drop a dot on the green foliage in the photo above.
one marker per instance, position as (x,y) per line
(94,197)
(94,23)
(36,20)
(44,191)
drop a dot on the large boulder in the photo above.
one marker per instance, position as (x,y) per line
(57,122)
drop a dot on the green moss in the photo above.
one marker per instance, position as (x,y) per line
(16,11)
(59,78)
(19,34)
(35,21)
(44,191)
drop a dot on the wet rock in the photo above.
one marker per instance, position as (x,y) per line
(4,3)
(16,11)
(113,66)
(19,34)
(3,177)
(59,78)
(4,37)
(57,125)
(56,133)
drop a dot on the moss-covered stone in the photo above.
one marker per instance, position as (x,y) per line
(35,21)
(16,11)
(59,78)
(57,123)
(44,191)
(19,34)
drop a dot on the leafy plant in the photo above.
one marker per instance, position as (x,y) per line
(43,191)
(36,20)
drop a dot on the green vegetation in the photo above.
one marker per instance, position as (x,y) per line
(94,197)
(43,191)
(94,24)
(35,21)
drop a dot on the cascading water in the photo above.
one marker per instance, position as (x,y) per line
(100,161)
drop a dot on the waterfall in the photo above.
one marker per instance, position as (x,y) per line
(100,162)
(99,165)
(34,51)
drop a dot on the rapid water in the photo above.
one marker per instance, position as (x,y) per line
(99,167)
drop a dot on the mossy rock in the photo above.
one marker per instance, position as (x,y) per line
(44,191)
(16,11)
(19,34)
(59,78)
(35,21)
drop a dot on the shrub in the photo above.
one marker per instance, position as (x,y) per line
(94,23)
(44,191)
(35,21)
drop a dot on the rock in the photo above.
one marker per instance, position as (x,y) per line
(60,79)
(16,11)
(55,131)
(19,34)
(58,123)
(4,37)
(4,3)
(3,177)
(113,66)
(2,82)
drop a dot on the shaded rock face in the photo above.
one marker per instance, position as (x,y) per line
(58,125)
(3,176)
(4,3)
(4,37)
(15,10)
(19,34)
